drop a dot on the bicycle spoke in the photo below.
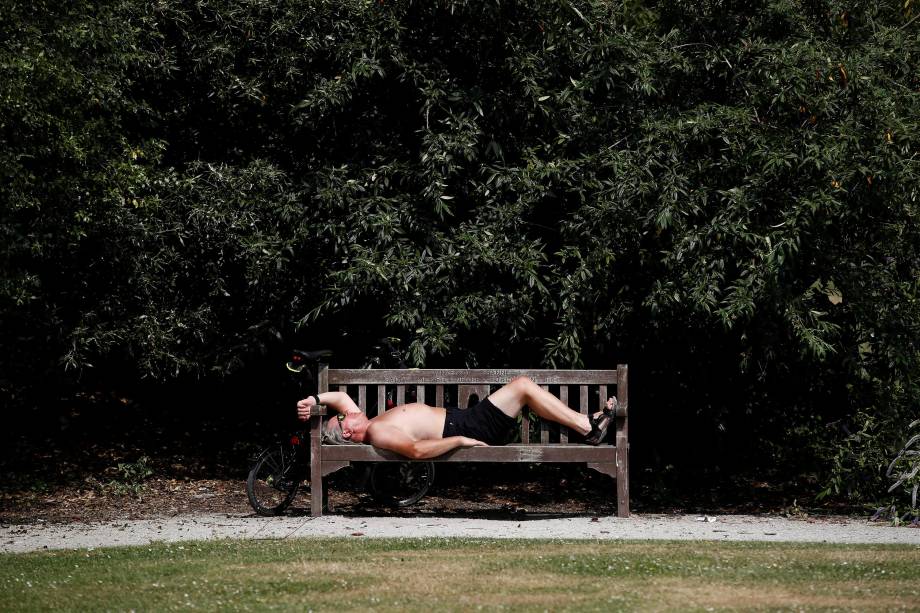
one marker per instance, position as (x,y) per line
(270,462)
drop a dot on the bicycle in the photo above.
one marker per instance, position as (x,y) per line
(283,469)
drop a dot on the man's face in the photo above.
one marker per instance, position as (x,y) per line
(351,425)
(347,425)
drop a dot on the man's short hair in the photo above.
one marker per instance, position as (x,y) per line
(332,434)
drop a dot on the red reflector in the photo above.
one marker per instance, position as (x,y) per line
(296,358)
(295,440)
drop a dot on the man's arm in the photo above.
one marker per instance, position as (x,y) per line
(340,401)
(387,437)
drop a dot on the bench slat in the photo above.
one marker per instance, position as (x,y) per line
(484,376)
(420,393)
(505,453)
(400,394)
(465,392)
(564,397)
(362,398)
(525,425)
(381,399)
(544,426)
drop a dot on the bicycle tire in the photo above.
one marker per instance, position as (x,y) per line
(400,484)
(274,480)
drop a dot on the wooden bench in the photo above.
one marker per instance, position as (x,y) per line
(583,390)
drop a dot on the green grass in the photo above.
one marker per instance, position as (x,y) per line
(439,574)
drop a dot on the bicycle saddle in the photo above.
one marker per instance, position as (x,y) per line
(311,356)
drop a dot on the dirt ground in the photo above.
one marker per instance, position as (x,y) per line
(550,491)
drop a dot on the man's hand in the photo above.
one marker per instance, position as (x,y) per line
(471,442)
(303,408)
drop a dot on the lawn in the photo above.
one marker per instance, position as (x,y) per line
(439,574)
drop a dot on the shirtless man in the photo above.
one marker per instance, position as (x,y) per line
(419,431)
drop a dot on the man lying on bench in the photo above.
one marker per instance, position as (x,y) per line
(419,431)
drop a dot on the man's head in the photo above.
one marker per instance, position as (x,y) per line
(344,429)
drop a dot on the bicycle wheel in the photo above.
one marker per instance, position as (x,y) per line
(400,484)
(274,479)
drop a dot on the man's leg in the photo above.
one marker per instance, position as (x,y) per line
(520,391)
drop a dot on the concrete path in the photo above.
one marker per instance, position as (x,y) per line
(34,537)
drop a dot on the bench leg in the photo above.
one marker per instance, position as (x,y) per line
(623,480)
(316,468)
(316,492)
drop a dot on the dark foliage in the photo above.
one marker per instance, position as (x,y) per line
(722,194)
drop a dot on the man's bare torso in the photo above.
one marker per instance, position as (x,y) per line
(419,421)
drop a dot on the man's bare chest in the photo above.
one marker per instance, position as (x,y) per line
(416,420)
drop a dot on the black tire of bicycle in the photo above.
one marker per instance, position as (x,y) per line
(382,497)
(250,487)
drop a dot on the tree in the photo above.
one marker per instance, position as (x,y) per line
(722,194)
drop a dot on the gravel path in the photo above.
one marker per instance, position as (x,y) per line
(34,537)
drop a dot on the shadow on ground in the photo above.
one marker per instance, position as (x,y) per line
(103,457)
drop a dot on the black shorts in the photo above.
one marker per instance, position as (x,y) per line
(484,422)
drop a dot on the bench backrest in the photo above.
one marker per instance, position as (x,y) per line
(582,390)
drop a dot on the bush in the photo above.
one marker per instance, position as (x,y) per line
(131,477)
(721,194)
(904,469)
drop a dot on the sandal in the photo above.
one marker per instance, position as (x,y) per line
(601,423)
